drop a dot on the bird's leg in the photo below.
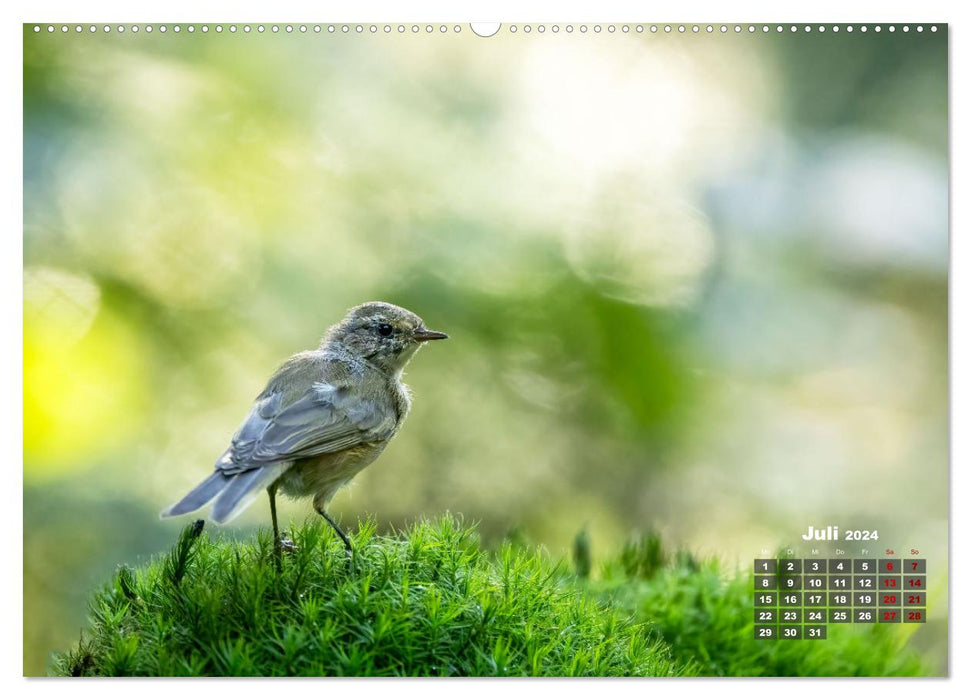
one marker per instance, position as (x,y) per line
(337,529)
(277,551)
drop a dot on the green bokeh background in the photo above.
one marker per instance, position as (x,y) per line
(696,283)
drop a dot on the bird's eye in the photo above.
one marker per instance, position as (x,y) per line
(384,329)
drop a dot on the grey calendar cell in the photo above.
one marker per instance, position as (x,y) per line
(914,599)
(889,566)
(765,566)
(840,582)
(889,598)
(790,617)
(814,566)
(814,632)
(766,583)
(865,583)
(790,582)
(915,566)
(840,566)
(862,599)
(840,616)
(790,566)
(814,616)
(915,583)
(864,566)
(766,617)
(790,600)
(766,600)
(888,615)
(766,632)
(915,615)
(889,583)
(838,599)
(864,615)
(814,600)
(790,632)
(814,583)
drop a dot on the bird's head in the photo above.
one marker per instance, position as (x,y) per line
(384,334)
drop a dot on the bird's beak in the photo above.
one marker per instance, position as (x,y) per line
(423,334)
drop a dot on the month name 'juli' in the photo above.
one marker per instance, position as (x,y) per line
(828,533)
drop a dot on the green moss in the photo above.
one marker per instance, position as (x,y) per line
(428,601)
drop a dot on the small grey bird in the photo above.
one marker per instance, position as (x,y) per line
(323,416)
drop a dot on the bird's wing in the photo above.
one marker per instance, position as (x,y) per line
(326,418)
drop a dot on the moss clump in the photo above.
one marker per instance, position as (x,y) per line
(425,602)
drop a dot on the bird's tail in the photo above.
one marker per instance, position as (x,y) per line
(199,496)
(233,493)
(241,491)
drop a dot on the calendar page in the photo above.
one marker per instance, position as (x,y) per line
(436,348)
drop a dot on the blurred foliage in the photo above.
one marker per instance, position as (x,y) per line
(643,556)
(692,283)
(582,556)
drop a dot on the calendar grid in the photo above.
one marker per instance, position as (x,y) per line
(797,598)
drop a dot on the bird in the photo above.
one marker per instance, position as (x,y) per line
(323,416)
